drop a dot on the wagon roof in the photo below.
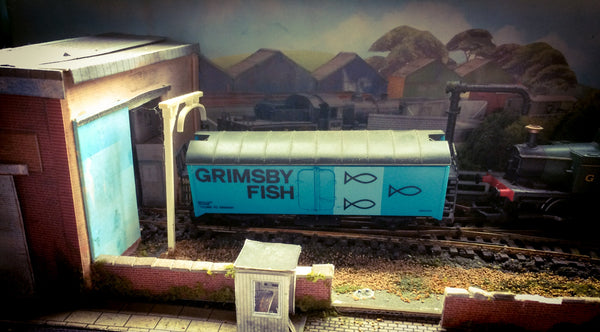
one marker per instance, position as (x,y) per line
(364,147)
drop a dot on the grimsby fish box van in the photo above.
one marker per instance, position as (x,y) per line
(375,173)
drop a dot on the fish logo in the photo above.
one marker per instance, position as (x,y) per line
(406,191)
(364,178)
(362,204)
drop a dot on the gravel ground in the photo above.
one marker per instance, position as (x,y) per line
(405,273)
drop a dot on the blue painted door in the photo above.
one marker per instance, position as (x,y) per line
(108,183)
(316,189)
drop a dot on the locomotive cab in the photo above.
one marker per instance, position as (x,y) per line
(586,171)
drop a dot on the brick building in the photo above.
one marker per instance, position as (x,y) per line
(65,113)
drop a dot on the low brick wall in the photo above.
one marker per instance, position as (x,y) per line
(475,307)
(196,280)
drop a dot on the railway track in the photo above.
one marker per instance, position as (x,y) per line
(489,246)
(517,250)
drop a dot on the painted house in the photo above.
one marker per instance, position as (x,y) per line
(425,78)
(349,72)
(483,71)
(212,78)
(486,71)
(270,72)
(71,114)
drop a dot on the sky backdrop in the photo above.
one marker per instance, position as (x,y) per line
(573,27)
(230,27)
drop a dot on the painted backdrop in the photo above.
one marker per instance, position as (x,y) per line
(230,28)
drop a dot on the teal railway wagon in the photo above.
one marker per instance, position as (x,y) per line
(375,173)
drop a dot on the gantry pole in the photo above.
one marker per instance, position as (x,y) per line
(173,116)
(456,88)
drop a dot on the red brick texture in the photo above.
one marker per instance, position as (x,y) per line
(319,289)
(528,312)
(46,196)
(160,281)
(160,276)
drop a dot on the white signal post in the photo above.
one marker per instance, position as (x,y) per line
(173,116)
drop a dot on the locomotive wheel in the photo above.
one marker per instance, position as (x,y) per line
(561,208)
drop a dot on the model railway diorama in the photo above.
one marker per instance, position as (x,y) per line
(381,172)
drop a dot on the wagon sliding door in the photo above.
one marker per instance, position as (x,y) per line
(316,190)
(108,182)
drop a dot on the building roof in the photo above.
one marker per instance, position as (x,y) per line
(470,66)
(213,78)
(268,256)
(254,59)
(331,66)
(84,58)
(412,67)
(206,62)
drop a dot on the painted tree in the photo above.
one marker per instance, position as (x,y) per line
(486,147)
(541,67)
(406,44)
(582,124)
(504,53)
(473,42)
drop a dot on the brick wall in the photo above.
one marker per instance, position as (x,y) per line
(46,195)
(472,307)
(315,281)
(160,276)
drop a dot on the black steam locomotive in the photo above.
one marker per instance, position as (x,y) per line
(560,180)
